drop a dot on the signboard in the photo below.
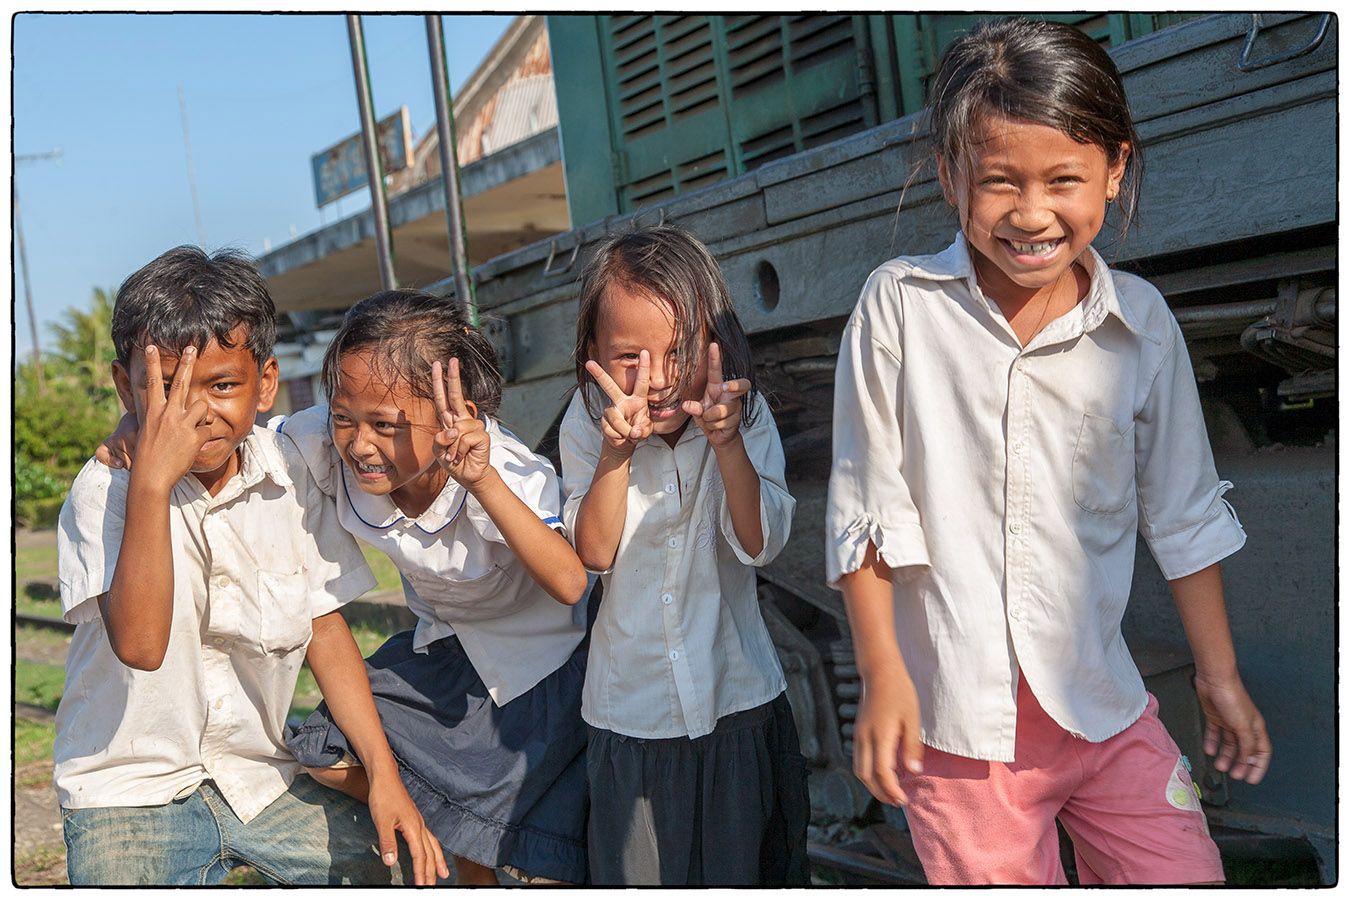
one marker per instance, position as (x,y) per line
(341,169)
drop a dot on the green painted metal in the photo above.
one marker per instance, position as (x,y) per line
(687,101)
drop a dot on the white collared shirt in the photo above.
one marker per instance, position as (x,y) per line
(252,567)
(679,640)
(1004,485)
(459,575)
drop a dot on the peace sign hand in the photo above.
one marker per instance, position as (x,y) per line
(172,433)
(719,412)
(463,440)
(627,421)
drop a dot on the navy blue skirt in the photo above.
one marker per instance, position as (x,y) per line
(501,786)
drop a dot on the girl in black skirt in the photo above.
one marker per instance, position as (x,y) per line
(674,477)
(481,702)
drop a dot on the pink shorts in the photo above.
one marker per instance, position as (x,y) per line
(1128,803)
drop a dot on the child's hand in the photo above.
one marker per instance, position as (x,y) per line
(117,448)
(1235,733)
(887,732)
(173,433)
(393,811)
(719,412)
(463,439)
(627,421)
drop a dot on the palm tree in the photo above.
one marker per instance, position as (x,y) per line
(84,343)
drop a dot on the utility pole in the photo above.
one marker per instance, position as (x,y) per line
(23,263)
(192,175)
(445,133)
(379,207)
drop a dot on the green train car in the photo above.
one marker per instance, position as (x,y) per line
(783,141)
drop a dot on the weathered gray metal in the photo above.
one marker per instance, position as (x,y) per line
(1237,223)
(445,134)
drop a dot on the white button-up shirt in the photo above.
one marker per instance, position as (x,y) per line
(1004,486)
(459,575)
(252,567)
(679,640)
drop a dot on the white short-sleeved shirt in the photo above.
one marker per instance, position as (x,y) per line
(679,640)
(459,575)
(1004,485)
(252,567)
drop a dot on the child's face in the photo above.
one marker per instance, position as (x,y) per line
(228,380)
(1031,200)
(630,321)
(384,433)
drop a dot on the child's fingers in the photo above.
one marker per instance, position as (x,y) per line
(438,855)
(1228,749)
(693,408)
(105,456)
(885,762)
(736,387)
(911,750)
(1211,743)
(607,384)
(384,831)
(1253,753)
(446,438)
(438,395)
(458,407)
(714,363)
(644,374)
(194,414)
(154,379)
(182,379)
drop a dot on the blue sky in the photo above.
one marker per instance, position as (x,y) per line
(263,92)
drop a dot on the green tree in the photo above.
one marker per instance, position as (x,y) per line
(55,433)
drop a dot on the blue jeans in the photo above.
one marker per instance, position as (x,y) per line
(308,835)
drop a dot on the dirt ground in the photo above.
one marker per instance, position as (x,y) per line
(39,850)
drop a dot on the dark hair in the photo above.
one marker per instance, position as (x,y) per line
(406,331)
(1047,73)
(671,264)
(185,298)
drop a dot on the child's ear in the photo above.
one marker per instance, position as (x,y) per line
(268,380)
(945,179)
(125,392)
(472,407)
(1116,172)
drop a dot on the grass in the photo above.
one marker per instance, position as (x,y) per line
(36,561)
(41,867)
(307,693)
(386,576)
(32,741)
(38,684)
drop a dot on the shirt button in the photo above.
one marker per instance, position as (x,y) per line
(674,542)
(666,598)
(670,489)
(218,703)
(674,654)
(222,582)
(1017,447)
(219,642)
(1015,528)
(1015,613)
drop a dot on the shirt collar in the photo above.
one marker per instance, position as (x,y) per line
(380,511)
(259,458)
(1102,299)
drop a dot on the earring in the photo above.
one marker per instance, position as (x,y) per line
(1110,199)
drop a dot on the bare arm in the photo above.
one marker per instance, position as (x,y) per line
(626,423)
(138,607)
(1234,729)
(718,414)
(341,674)
(466,454)
(888,717)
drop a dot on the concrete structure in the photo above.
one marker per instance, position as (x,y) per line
(512,183)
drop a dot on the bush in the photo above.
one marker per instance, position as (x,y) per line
(41,513)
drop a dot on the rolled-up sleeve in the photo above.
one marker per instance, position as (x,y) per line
(869,500)
(579,451)
(1182,514)
(776,505)
(89,539)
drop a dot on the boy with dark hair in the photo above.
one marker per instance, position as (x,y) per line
(199,581)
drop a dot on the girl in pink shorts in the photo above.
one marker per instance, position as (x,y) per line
(1008,414)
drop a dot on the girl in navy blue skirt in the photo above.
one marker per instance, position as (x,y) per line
(481,701)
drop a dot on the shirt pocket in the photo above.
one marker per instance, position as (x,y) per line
(283,600)
(1103,465)
(489,596)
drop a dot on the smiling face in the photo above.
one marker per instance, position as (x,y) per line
(631,320)
(234,388)
(386,435)
(1031,200)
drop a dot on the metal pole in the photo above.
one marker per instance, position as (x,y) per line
(28,293)
(384,247)
(445,133)
(191,173)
